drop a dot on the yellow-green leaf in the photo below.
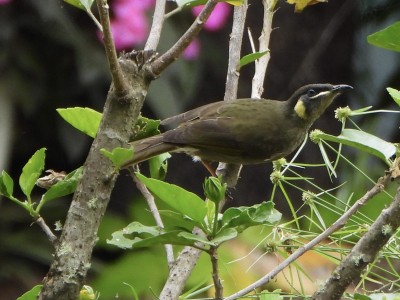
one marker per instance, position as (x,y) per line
(84,119)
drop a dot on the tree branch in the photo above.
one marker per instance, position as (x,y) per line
(176,50)
(181,271)
(363,253)
(378,187)
(73,252)
(257,87)
(156,26)
(219,289)
(230,172)
(121,88)
(235,46)
(50,235)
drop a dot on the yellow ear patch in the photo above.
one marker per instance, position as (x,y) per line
(300,109)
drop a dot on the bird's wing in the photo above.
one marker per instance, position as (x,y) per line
(228,126)
(210,134)
(193,114)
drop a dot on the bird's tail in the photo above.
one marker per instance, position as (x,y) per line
(147,148)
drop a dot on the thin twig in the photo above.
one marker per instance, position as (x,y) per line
(176,50)
(378,187)
(235,46)
(156,26)
(120,85)
(257,88)
(230,172)
(50,235)
(175,11)
(96,22)
(219,289)
(181,271)
(154,211)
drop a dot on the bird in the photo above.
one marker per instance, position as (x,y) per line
(242,131)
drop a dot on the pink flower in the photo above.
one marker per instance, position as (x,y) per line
(192,51)
(217,18)
(130,24)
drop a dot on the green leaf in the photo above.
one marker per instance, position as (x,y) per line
(76,3)
(249,58)
(325,157)
(224,235)
(361,297)
(177,198)
(363,141)
(119,240)
(191,3)
(384,296)
(145,236)
(387,38)
(31,172)
(6,184)
(243,217)
(87,3)
(158,166)
(64,187)
(31,294)
(146,127)
(178,220)
(395,94)
(81,4)
(84,119)
(118,156)
(268,295)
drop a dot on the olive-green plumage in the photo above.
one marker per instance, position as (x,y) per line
(243,131)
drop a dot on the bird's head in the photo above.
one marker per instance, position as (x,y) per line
(310,101)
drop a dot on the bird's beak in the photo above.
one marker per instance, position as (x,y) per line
(341,87)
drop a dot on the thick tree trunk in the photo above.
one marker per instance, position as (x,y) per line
(73,253)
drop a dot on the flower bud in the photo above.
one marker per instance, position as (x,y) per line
(214,189)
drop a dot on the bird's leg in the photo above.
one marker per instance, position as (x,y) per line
(207,165)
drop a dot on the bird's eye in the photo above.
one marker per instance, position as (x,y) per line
(311,93)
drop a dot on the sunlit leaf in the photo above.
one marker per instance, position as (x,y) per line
(249,58)
(363,141)
(395,94)
(177,198)
(299,5)
(84,119)
(31,171)
(387,38)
